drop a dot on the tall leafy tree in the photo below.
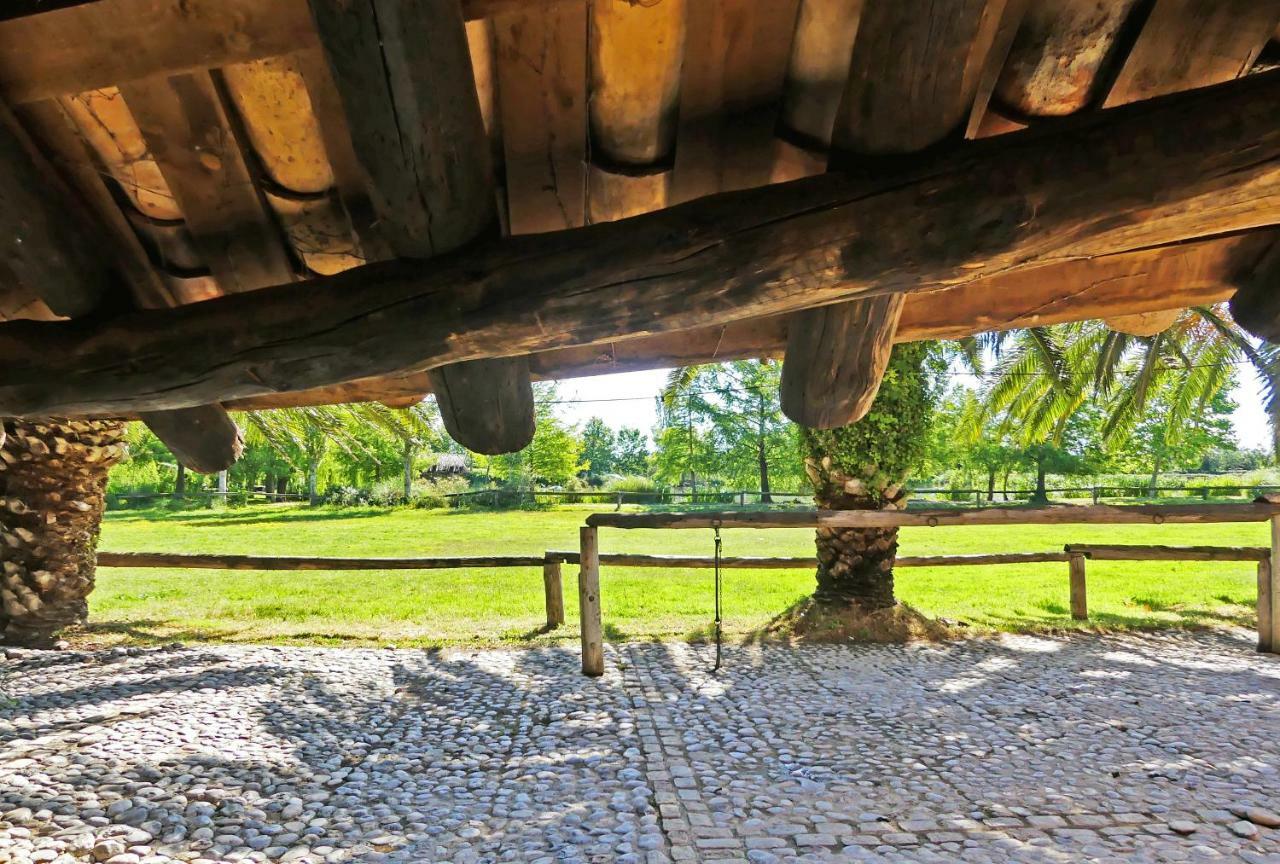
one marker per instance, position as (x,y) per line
(631,452)
(598,442)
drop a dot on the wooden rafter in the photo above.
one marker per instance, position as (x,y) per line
(1163,171)
(403,71)
(62,252)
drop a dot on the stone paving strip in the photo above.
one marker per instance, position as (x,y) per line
(1135,748)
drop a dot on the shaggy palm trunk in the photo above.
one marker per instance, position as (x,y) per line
(53,478)
(864,466)
(855,565)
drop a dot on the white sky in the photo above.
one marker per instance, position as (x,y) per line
(629,399)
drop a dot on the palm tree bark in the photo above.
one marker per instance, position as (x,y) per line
(864,466)
(53,479)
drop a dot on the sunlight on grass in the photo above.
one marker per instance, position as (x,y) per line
(503,606)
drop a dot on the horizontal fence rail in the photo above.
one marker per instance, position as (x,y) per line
(296,562)
(1064,514)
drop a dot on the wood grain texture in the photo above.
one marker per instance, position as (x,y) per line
(541,60)
(486,405)
(1193,43)
(730,94)
(818,69)
(1266,613)
(636,50)
(404,74)
(191,138)
(836,356)
(49,253)
(589,603)
(403,71)
(553,591)
(673,562)
(1105,552)
(1079,592)
(108,42)
(75,253)
(298,562)
(1058,54)
(1157,172)
(204,439)
(1256,305)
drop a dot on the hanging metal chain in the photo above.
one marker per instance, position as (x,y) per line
(719,633)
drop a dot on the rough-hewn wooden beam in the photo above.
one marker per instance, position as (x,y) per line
(1157,172)
(109,42)
(836,355)
(403,70)
(204,438)
(1256,306)
(1149,280)
(58,252)
(46,254)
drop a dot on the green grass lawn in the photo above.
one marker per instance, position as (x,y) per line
(506,605)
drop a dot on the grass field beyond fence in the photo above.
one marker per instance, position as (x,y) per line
(506,605)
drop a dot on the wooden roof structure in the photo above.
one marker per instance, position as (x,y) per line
(263,203)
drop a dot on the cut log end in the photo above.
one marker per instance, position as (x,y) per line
(205,439)
(836,356)
(486,405)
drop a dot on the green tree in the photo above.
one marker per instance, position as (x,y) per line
(631,452)
(734,408)
(1047,377)
(598,443)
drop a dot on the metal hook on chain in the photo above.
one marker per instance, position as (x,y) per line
(719,634)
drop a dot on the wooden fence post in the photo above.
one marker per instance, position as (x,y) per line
(589,602)
(554,590)
(1266,611)
(1079,604)
(1273,572)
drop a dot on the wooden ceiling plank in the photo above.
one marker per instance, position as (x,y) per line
(56,229)
(1193,43)
(1146,281)
(188,132)
(541,60)
(403,72)
(730,94)
(1102,183)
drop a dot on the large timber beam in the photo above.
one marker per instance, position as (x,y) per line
(837,355)
(404,73)
(1153,173)
(55,251)
(1148,281)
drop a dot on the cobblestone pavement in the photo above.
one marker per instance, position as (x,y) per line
(1125,748)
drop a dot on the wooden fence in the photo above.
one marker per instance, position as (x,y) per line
(589,559)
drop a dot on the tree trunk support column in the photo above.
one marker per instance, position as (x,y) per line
(589,603)
(553,587)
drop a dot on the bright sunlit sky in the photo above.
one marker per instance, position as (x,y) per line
(631,402)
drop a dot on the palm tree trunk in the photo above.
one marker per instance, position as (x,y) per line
(1041,495)
(991,485)
(180,484)
(53,478)
(855,565)
(408,470)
